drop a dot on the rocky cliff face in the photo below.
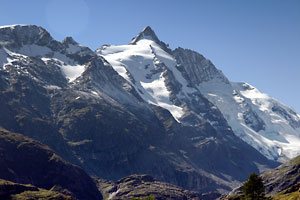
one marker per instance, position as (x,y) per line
(130,109)
(196,68)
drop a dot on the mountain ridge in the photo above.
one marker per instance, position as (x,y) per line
(187,70)
(75,101)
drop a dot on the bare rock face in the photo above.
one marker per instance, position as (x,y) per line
(196,68)
(148,33)
(19,35)
(253,120)
(289,115)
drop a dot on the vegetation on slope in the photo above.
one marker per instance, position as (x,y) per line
(15,191)
(281,183)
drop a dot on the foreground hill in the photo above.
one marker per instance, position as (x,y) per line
(144,186)
(26,161)
(281,183)
(285,177)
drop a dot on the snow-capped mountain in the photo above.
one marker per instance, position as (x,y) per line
(173,79)
(149,66)
(140,108)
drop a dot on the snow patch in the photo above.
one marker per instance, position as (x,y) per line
(52,87)
(72,71)
(12,26)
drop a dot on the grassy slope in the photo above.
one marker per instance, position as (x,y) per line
(15,191)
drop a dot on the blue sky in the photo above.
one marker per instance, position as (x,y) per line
(256,41)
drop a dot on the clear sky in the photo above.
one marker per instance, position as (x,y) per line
(256,41)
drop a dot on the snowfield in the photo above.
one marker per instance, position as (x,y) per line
(278,139)
(138,65)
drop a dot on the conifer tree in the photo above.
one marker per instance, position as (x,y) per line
(253,188)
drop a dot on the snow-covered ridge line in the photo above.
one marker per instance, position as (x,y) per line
(34,41)
(261,121)
(13,25)
(140,67)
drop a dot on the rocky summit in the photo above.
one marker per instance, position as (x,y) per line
(140,108)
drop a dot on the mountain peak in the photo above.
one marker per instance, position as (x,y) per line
(149,34)
(69,40)
(146,33)
(18,35)
(22,29)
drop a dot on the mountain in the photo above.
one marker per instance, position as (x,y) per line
(174,79)
(140,108)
